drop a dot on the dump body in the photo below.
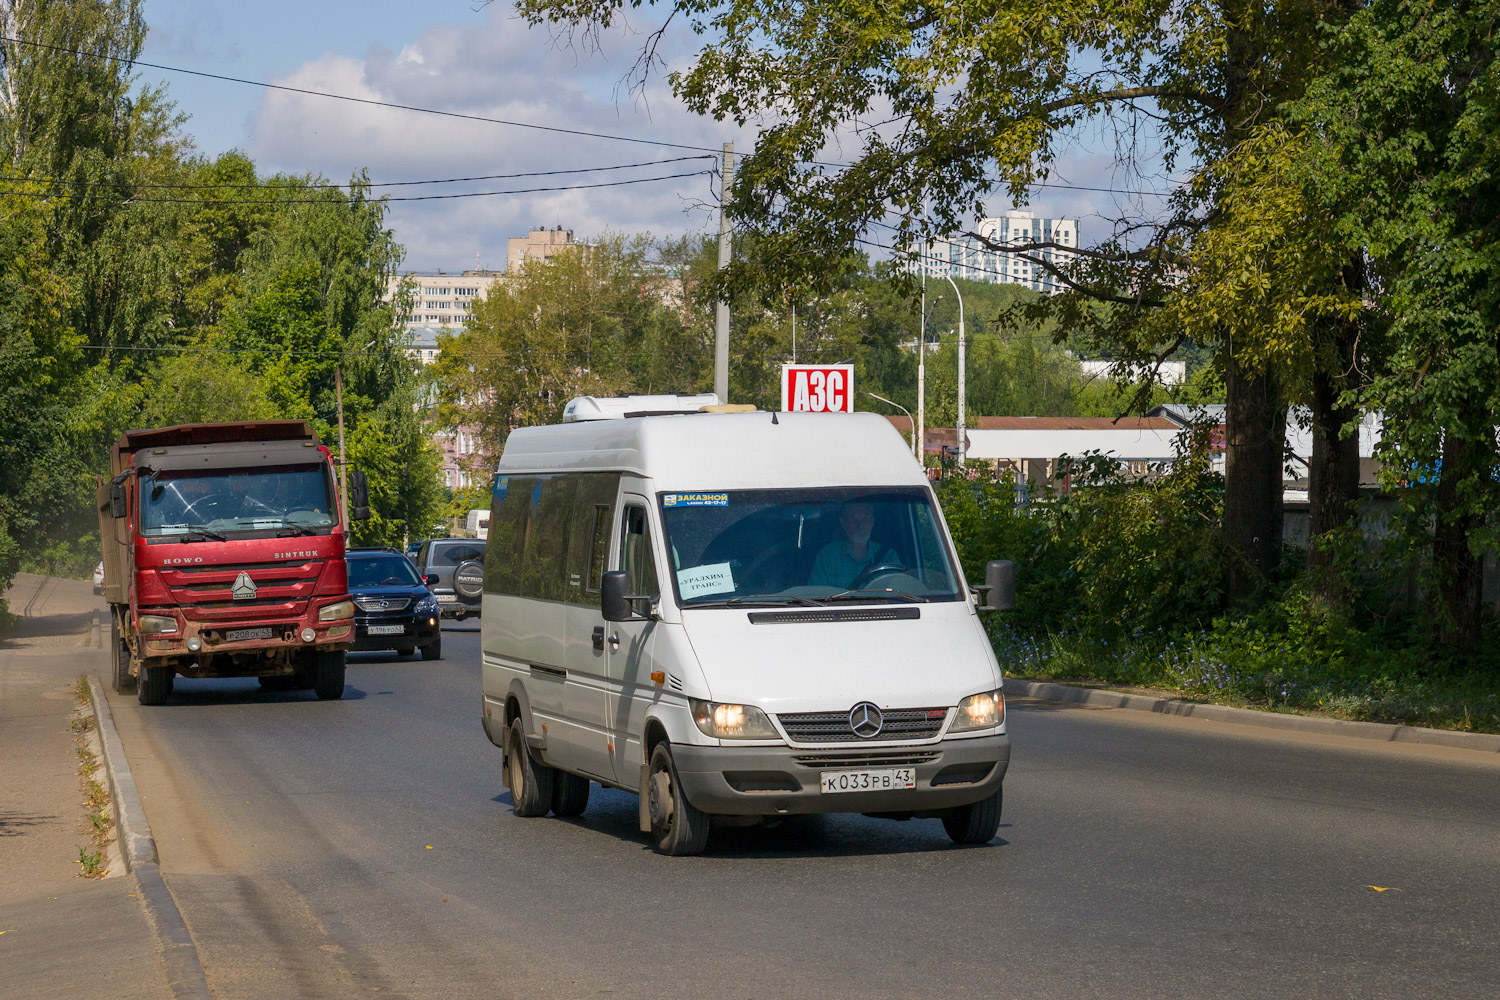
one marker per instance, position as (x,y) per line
(223,551)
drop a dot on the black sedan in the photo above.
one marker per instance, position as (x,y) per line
(393,609)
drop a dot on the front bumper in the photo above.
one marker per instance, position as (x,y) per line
(220,636)
(778,781)
(416,630)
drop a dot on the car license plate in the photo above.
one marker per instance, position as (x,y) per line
(873,780)
(386,629)
(447,598)
(241,634)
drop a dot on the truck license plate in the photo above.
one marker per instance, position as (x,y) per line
(386,629)
(873,780)
(241,634)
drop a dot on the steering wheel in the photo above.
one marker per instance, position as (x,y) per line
(869,573)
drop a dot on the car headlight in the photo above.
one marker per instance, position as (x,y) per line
(427,606)
(336,612)
(157,624)
(732,722)
(979,711)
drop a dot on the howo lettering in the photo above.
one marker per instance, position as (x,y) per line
(194,522)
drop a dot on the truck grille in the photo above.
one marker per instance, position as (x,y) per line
(207,592)
(833,727)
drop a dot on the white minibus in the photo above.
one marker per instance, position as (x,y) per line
(739,616)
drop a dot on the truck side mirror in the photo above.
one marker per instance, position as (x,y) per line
(999,586)
(359,496)
(117,500)
(614,596)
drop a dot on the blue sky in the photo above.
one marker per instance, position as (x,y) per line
(458,56)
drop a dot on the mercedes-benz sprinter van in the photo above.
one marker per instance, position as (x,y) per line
(737,615)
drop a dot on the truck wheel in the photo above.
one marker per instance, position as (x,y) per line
(119,660)
(530,781)
(570,794)
(977,823)
(434,649)
(328,675)
(155,684)
(677,826)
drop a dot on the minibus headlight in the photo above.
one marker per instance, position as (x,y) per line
(157,624)
(979,711)
(336,612)
(731,722)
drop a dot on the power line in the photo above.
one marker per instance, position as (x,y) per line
(268,186)
(362,100)
(325,201)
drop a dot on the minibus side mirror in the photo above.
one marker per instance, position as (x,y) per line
(117,500)
(999,586)
(359,496)
(615,598)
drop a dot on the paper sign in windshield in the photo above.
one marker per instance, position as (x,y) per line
(695,500)
(701,581)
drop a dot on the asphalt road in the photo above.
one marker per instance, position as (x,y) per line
(367,847)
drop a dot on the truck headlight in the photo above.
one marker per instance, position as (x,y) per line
(979,711)
(732,722)
(336,612)
(157,624)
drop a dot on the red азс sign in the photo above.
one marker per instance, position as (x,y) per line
(817,388)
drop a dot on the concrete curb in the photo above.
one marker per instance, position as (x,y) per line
(179,954)
(1383,732)
(137,846)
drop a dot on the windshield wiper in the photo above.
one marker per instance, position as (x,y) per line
(886,592)
(196,533)
(766,601)
(294,529)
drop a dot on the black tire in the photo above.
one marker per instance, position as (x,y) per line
(530,781)
(434,649)
(119,660)
(328,675)
(678,827)
(977,823)
(570,794)
(155,685)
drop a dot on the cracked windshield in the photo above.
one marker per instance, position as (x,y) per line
(293,497)
(806,546)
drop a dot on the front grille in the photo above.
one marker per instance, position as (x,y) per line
(382,603)
(834,615)
(890,758)
(833,727)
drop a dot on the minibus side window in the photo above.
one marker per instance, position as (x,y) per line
(507,543)
(588,543)
(635,551)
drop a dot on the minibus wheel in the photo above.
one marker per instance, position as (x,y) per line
(977,823)
(570,794)
(530,782)
(677,826)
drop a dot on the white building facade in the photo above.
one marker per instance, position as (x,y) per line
(976,259)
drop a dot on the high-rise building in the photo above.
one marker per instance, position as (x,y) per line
(538,244)
(978,259)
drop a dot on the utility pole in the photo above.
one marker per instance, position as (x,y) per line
(961,428)
(794,333)
(721,318)
(338,392)
(921,428)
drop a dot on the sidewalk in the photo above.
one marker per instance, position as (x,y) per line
(63,936)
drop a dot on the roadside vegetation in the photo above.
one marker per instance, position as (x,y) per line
(98,811)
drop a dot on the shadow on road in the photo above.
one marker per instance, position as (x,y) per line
(187,692)
(14,824)
(614,813)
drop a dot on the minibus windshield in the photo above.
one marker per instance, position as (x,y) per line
(807,546)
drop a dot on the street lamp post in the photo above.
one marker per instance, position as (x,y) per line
(961,429)
(903,409)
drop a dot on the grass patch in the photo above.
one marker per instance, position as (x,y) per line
(96,799)
(1242,664)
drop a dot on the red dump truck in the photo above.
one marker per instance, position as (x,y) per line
(224,557)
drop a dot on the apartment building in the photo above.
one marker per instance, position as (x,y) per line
(976,257)
(538,244)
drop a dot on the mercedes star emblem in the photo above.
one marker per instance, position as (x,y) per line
(244,587)
(866,721)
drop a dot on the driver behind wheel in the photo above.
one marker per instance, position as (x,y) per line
(841,562)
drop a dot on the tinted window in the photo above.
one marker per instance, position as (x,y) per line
(549,521)
(588,546)
(375,571)
(452,555)
(549,536)
(509,506)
